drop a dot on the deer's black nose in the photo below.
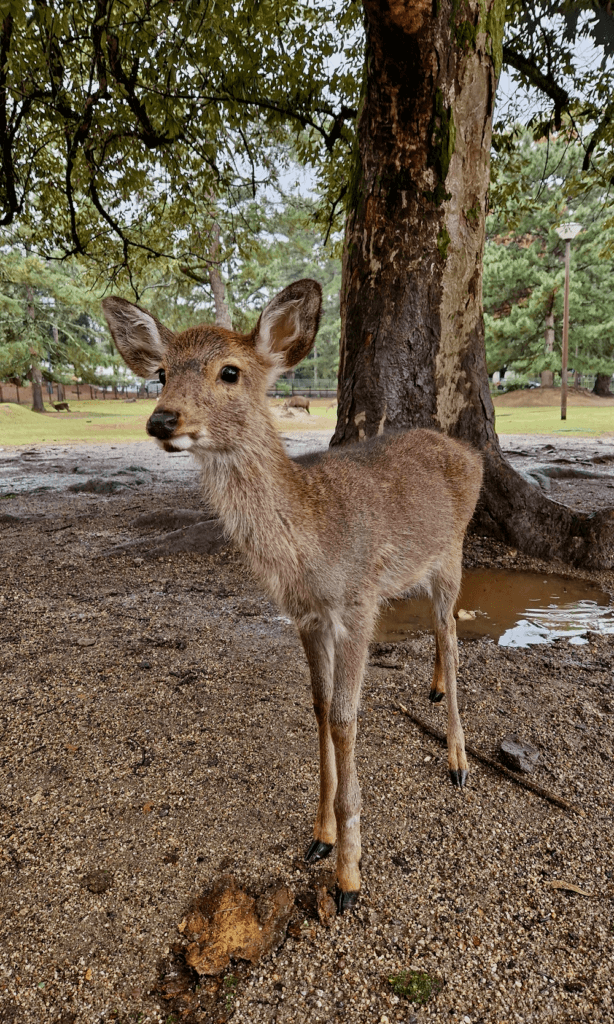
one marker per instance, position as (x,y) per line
(162,424)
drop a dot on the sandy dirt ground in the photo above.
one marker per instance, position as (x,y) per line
(159,751)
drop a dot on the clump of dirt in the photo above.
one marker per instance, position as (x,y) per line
(228,930)
(228,923)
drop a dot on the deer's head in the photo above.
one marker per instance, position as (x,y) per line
(214,379)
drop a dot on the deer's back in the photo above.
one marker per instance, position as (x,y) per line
(417,469)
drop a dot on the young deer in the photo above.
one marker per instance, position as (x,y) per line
(329,538)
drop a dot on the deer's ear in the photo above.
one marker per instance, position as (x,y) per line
(287,327)
(140,339)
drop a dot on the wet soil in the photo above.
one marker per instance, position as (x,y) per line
(157,735)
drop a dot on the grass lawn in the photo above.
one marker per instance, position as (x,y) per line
(583,421)
(113,421)
(87,421)
(116,421)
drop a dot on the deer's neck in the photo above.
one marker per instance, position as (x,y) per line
(261,498)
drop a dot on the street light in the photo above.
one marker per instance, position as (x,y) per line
(566,232)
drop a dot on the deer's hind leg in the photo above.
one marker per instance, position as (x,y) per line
(444,594)
(319,647)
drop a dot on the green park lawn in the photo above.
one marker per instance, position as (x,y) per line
(86,422)
(581,420)
(109,421)
(116,421)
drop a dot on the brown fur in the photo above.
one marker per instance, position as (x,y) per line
(329,538)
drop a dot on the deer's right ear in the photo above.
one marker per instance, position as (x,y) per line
(141,340)
(287,327)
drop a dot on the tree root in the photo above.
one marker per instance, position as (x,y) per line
(479,755)
(519,514)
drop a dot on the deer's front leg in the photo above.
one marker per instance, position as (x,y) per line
(457,759)
(350,657)
(318,645)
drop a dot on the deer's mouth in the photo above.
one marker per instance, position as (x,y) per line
(180,443)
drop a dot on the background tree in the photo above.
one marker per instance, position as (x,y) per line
(46,327)
(278,242)
(288,247)
(524,265)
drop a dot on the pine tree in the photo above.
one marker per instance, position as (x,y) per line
(524,265)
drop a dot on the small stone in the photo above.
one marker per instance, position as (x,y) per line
(98,881)
(518,755)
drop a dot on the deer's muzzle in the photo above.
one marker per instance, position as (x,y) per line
(162,424)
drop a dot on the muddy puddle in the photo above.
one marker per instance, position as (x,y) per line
(515,609)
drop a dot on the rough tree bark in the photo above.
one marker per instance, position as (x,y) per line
(37,383)
(412,345)
(602,385)
(222,313)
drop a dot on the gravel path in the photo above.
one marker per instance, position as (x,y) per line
(136,464)
(157,736)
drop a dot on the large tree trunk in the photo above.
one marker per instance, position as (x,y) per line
(37,384)
(35,370)
(222,313)
(412,345)
(602,385)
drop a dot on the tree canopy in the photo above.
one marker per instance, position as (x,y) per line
(121,123)
(564,51)
(123,127)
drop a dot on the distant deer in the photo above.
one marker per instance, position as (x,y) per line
(297,402)
(329,539)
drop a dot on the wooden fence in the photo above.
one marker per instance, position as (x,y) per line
(68,392)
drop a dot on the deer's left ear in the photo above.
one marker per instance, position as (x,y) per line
(288,326)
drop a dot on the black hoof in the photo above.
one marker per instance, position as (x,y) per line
(436,697)
(345,900)
(459,778)
(317,851)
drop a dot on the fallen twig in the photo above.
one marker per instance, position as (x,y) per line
(490,761)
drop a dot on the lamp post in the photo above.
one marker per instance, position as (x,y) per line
(566,232)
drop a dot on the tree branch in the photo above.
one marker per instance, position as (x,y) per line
(11,203)
(544,82)
(152,138)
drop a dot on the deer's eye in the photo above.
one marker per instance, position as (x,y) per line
(230,374)
(162,376)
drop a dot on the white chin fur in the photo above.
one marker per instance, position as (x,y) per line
(178,444)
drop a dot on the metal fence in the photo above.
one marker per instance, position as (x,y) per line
(311,389)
